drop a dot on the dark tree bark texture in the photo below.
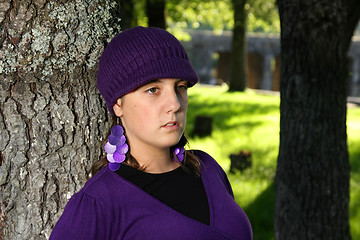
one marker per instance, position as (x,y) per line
(126,12)
(52,117)
(155,11)
(238,54)
(312,178)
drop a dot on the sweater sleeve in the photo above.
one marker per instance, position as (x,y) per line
(84,217)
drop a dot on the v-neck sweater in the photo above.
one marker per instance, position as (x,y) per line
(110,207)
(181,189)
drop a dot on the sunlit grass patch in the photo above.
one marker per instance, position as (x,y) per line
(353,125)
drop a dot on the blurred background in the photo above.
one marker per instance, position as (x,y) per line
(207,31)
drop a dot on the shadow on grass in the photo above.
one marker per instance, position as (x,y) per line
(355,190)
(261,214)
(223,111)
(355,158)
(261,210)
(355,215)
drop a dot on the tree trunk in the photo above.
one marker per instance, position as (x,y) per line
(312,178)
(155,11)
(51,114)
(126,12)
(238,55)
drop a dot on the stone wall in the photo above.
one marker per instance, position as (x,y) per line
(210,56)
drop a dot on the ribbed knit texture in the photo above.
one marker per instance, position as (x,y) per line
(137,56)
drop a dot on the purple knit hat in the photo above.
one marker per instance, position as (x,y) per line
(137,56)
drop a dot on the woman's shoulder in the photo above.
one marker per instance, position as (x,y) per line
(211,168)
(202,155)
(206,159)
(104,186)
(85,210)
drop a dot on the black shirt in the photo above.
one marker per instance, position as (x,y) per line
(179,189)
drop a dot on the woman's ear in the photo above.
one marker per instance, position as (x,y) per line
(118,108)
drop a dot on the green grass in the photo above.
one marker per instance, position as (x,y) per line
(250,121)
(353,124)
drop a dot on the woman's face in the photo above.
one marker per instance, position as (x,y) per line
(154,115)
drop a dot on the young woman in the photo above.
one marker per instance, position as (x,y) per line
(148,186)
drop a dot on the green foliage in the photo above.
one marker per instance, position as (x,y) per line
(249,121)
(139,9)
(219,16)
(263,16)
(195,14)
(216,15)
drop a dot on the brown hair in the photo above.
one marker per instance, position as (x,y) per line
(191,161)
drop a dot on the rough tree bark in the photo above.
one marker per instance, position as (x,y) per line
(155,11)
(238,54)
(312,178)
(51,114)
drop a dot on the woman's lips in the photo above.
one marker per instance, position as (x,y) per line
(171,125)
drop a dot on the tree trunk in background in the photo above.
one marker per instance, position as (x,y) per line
(238,55)
(126,13)
(312,178)
(155,11)
(51,114)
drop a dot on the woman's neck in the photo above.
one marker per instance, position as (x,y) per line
(155,160)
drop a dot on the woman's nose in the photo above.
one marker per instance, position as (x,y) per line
(173,102)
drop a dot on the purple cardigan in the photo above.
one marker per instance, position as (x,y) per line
(109,207)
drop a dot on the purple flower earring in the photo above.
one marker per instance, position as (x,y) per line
(116,148)
(179,152)
(179,149)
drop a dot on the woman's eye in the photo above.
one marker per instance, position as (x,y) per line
(182,87)
(152,90)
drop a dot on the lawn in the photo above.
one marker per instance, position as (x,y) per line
(250,121)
